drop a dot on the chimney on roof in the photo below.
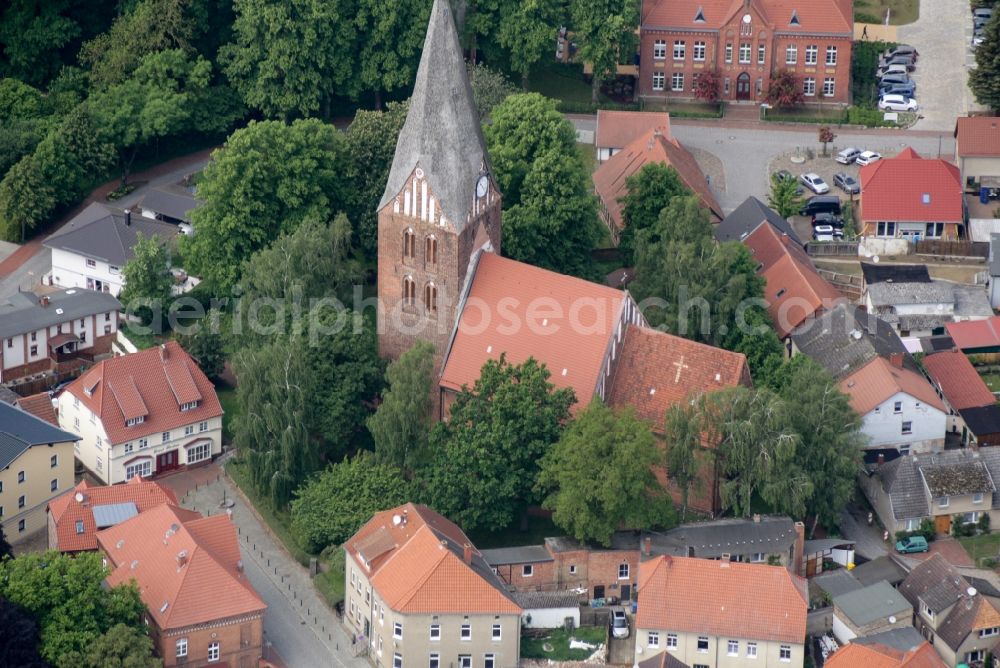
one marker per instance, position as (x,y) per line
(128,216)
(467,553)
(239,566)
(797,565)
(163,352)
(647,546)
(182,558)
(403,518)
(896,359)
(44,301)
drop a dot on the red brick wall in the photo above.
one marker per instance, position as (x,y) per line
(593,569)
(232,652)
(543,577)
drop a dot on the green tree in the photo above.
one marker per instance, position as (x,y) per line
(650,190)
(486,457)
(524,128)
(604,29)
(266,180)
(528,30)
(401,425)
(984,78)
(785,89)
(25,117)
(289,56)
(27,199)
(205,345)
(784,196)
(683,430)
(489,88)
(391,36)
(599,476)
(555,225)
(147,279)
(33,33)
(332,505)
(120,647)
(18,637)
(67,596)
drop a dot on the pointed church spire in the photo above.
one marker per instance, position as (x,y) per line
(441,134)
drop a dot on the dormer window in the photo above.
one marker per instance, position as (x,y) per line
(795,18)
(188,406)
(700,16)
(131,422)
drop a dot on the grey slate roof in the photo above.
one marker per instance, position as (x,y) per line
(878,601)
(527,554)
(836,583)
(441,134)
(23,312)
(533,600)
(19,430)
(772,535)
(903,480)
(961,621)
(845,338)
(876,570)
(895,273)
(102,234)
(892,294)
(982,420)
(935,582)
(745,219)
(110,514)
(173,201)
(903,639)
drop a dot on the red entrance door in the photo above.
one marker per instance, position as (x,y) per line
(166,461)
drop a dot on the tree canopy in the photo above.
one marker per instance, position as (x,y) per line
(984,78)
(599,476)
(603,28)
(401,425)
(147,277)
(650,190)
(784,196)
(18,637)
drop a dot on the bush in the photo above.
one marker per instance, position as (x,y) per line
(960,528)
(864,62)
(984,523)
(926,530)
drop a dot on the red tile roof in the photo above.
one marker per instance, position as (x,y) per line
(795,291)
(881,656)
(415,560)
(188,568)
(978,136)
(879,380)
(657,370)
(909,188)
(974,334)
(525,311)
(66,511)
(143,385)
(961,386)
(653,146)
(832,16)
(40,405)
(617,129)
(720,598)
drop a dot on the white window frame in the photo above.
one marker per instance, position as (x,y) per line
(897,407)
(464,661)
(199,453)
(698,51)
(745,53)
(660,49)
(527,570)
(977,498)
(809,86)
(653,639)
(434,660)
(831,56)
(812,54)
(906,427)
(698,644)
(213,651)
(943,502)
(496,633)
(751,650)
(165,436)
(829,86)
(677,81)
(761,53)
(732,648)
(181,647)
(397,660)
(144,469)
(435,632)
(489,660)
(203,426)
(791,54)
(623,571)
(785,653)
(680,49)
(671,641)
(465,632)
(397,630)
(659,79)
(729,52)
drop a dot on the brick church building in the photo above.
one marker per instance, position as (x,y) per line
(747,41)
(441,277)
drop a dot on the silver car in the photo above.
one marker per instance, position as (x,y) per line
(848,155)
(847,183)
(619,622)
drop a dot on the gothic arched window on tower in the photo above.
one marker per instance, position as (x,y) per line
(431,251)
(431,298)
(409,244)
(409,292)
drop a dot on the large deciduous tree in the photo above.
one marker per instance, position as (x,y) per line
(490,87)
(486,457)
(204,344)
(683,428)
(266,180)
(528,30)
(784,196)
(332,505)
(650,190)
(32,34)
(599,476)
(604,29)
(18,637)
(401,425)
(121,646)
(391,38)
(147,278)
(984,78)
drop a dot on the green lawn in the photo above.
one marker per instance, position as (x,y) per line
(532,648)
(986,546)
(139,340)
(992,381)
(227,397)
(873,11)
(538,529)
(588,155)
(561,81)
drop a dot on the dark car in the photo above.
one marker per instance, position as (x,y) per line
(901,59)
(847,183)
(901,49)
(827,219)
(894,79)
(821,204)
(907,89)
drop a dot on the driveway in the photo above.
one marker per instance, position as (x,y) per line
(942,36)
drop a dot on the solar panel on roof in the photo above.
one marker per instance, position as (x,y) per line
(114,513)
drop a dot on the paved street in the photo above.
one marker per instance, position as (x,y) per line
(304,632)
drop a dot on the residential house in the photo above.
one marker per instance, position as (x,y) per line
(898,407)
(56,333)
(944,487)
(911,197)
(419,593)
(618,129)
(748,42)
(883,656)
(173,203)
(976,337)
(794,290)
(718,613)
(143,414)
(962,623)
(869,610)
(977,150)
(906,297)
(200,606)
(769,539)
(972,408)
(846,338)
(92,248)
(75,517)
(651,147)
(40,405)
(36,465)
(747,217)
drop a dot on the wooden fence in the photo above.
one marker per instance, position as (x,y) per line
(979,249)
(821,248)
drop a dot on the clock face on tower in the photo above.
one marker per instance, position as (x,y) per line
(482,186)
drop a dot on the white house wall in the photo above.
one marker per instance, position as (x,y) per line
(550,618)
(840,631)
(884,427)
(70,270)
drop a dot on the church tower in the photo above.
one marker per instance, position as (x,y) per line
(441,202)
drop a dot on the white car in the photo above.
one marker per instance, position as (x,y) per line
(868,157)
(815,183)
(893,102)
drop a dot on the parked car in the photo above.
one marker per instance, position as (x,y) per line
(848,155)
(900,49)
(897,103)
(883,72)
(827,219)
(983,13)
(977,40)
(902,59)
(785,175)
(815,183)
(912,544)
(894,79)
(821,204)
(868,157)
(619,622)
(826,233)
(907,89)
(847,183)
